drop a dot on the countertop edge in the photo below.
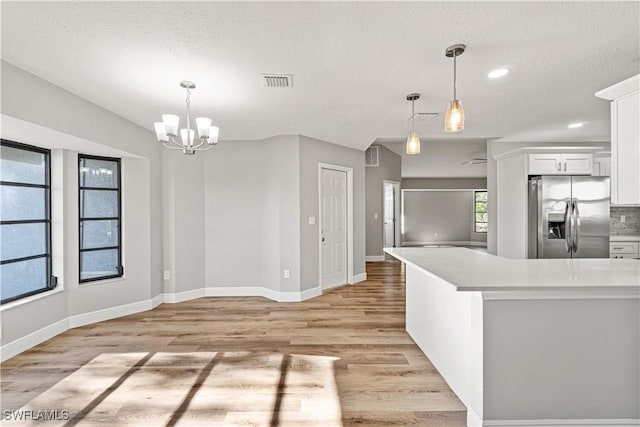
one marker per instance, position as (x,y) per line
(533,291)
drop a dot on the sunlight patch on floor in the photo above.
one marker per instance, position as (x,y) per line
(196,388)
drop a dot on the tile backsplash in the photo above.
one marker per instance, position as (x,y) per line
(631,225)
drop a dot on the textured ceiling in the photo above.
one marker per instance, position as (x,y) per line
(353,63)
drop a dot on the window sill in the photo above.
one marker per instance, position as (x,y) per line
(102,282)
(27,300)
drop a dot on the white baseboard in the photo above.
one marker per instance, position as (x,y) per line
(562,423)
(16,347)
(13,348)
(374,258)
(157,300)
(259,291)
(108,313)
(357,278)
(183,296)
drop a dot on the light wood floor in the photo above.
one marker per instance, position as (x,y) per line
(343,358)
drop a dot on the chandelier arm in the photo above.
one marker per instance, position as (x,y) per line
(173,143)
(171,147)
(199,145)
(204,148)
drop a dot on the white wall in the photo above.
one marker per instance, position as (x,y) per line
(39,113)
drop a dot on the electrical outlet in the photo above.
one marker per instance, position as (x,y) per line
(623,219)
(312,220)
(167,274)
(287,274)
(375,216)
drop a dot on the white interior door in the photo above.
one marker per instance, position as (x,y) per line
(389,216)
(334,228)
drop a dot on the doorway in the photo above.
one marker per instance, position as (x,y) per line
(336,218)
(391,200)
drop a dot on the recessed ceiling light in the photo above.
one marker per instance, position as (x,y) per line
(498,72)
(576,125)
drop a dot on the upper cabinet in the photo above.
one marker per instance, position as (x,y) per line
(560,164)
(602,164)
(625,140)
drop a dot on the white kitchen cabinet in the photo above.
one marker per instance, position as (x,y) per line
(623,250)
(602,166)
(561,164)
(625,140)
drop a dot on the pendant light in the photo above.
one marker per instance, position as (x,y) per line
(413,141)
(454,119)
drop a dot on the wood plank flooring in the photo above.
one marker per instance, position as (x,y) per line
(343,358)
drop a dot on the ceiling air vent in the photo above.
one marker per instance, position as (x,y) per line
(371,156)
(277,80)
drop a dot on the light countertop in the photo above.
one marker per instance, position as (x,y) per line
(470,270)
(624,238)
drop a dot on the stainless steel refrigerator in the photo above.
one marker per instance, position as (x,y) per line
(568,217)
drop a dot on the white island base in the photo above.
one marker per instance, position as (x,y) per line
(529,342)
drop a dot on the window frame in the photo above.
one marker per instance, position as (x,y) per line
(51,280)
(475,212)
(81,220)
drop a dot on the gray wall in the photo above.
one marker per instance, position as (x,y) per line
(439,216)
(389,168)
(312,152)
(444,183)
(40,113)
(252,212)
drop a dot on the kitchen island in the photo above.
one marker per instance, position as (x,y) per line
(529,342)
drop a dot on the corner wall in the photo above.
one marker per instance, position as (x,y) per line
(389,168)
(37,112)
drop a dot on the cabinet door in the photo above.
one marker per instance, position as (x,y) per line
(545,164)
(577,164)
(626,138)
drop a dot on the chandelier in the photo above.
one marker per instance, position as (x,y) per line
(167,129)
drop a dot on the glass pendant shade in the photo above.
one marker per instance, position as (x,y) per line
(187,136)
(413,143)
(171,122)
(204,127)
(161,134)
(454,118)
(214,132)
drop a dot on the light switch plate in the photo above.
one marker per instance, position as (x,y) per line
(167,274)
(312,220)
(375,216)
(623,219)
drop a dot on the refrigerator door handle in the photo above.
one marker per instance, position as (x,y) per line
(576,225)
(568,226)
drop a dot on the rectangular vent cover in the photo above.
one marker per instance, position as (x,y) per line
(277,80)
(371,156)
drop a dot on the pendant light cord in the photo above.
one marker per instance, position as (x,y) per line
(413,115)
(454,75)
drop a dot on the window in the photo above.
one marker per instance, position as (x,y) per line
(25,221)
(480,211)
(100,218)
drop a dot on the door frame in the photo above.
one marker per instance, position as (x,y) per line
(349,199)
(396,214)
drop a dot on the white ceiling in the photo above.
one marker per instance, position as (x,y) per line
(353,63)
